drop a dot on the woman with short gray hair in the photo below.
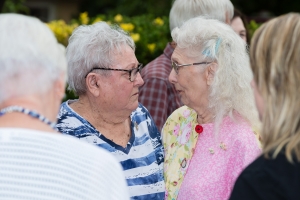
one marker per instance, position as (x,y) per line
(104,72)
(209,141)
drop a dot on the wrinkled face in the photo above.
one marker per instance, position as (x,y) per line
(118,92)
(258,99)
(191,81)
(238,27)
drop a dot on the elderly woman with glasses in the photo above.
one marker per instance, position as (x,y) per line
(209,141)
(104,73)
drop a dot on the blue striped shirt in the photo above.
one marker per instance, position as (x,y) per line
(142,159)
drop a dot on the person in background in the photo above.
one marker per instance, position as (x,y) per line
(36,161)
(158,95)
(275,174)
(239,25)
(209,141)
(104,73)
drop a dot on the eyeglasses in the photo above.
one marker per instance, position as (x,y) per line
(176,66)
(132,72)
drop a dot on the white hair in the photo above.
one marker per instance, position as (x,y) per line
(183,10)
(91,46)
(230,90)
(30,57)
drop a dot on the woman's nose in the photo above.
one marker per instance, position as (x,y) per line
(173,77)
(139,80)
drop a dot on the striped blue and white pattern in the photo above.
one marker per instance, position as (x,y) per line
(142,159)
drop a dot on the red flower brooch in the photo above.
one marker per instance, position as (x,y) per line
(199,129)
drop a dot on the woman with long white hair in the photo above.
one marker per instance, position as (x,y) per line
(210,140)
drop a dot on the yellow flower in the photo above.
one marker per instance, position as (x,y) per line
(84,18)
(135,36)
(118,18)
(159,21)
(127,27)
(151,47)
(61,30)
(98,19)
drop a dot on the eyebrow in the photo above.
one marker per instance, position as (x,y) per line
(131,66)
(174,60)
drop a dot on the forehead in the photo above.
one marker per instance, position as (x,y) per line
(124,56)
(237,24)
(184,55)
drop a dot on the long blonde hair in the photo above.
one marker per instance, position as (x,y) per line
(275,61)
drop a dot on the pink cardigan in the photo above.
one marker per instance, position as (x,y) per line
(205,166)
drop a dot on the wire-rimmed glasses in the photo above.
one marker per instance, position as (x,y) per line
(176,66)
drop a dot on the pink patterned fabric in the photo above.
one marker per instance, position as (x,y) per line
(217,161)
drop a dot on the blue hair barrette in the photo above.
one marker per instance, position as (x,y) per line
(207,52)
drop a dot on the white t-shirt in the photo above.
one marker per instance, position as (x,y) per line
(42,165)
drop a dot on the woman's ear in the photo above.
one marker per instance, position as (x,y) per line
(60,86)
(210,73)
(227,18)
(93,84)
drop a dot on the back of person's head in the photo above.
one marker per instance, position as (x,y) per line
(275,61)
(213,41)
(31,60)
(183,10)
(91,46)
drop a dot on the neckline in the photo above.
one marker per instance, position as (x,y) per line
(29,112)
(116,146)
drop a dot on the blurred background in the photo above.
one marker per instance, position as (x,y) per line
(146,21)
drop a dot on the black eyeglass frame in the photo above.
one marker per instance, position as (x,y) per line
(175,66)
(138,69)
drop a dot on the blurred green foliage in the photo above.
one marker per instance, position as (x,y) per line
(251,27)
(14,6)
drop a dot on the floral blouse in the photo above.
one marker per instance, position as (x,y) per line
(215,161)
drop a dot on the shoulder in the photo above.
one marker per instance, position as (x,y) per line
(69,122)
(61,157)
(268,179)
(142,116)
(98,159)
(269,169)
(181,118)
(183,111)
(239,129)
(65,111)
(140,111)
(55,142)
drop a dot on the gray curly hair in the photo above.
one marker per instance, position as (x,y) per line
(90,46)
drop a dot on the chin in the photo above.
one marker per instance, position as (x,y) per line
(134,105)
(184,100)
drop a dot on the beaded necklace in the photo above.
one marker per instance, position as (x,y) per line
(27,112)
